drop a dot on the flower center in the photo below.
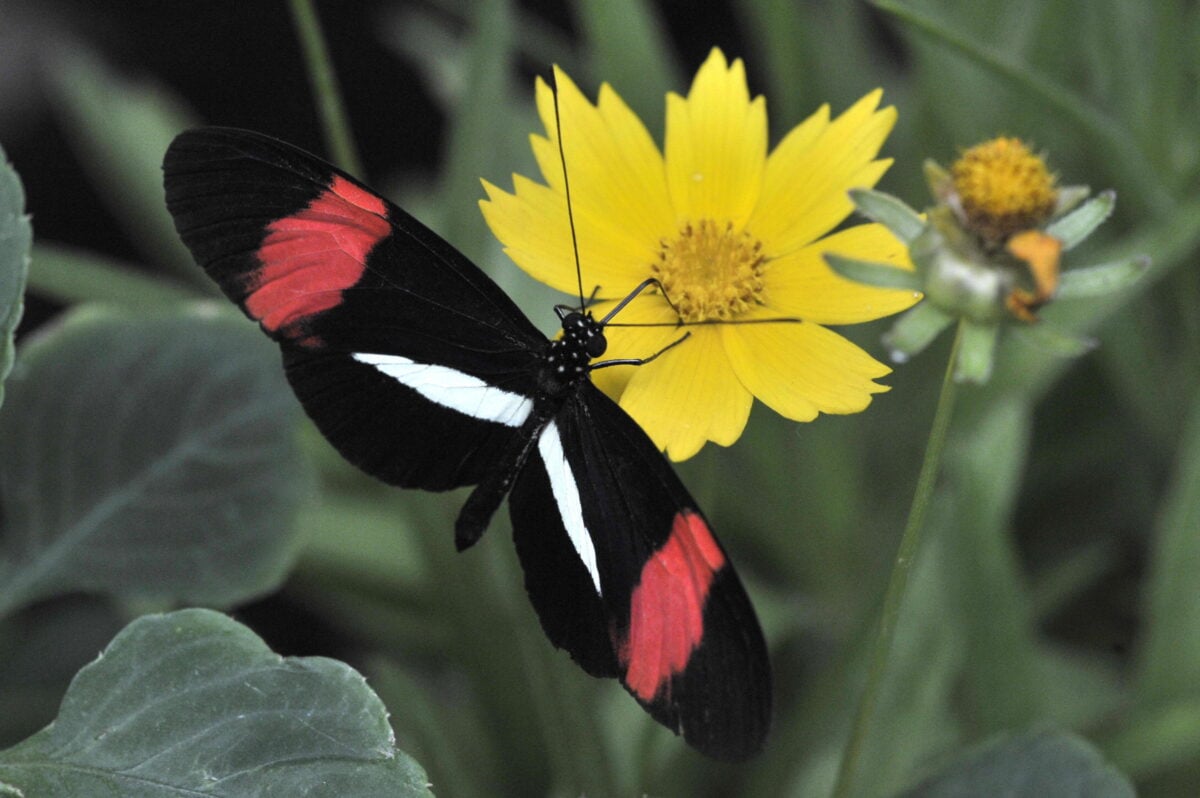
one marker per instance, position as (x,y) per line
(1003,188)
(709,271)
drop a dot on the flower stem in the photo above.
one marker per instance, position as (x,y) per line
(893,599)
(325,89)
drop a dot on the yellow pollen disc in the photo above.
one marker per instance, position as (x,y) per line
(1003,188)
(709,271)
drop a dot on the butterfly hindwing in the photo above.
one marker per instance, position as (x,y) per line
(412,362)
(627,576)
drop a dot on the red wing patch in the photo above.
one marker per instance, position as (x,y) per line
(667,608)
(310,257)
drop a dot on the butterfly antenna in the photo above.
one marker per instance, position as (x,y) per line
(562,157)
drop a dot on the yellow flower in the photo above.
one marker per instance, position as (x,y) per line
(733,236)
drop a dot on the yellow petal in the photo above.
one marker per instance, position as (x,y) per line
(801,369)
(802,284)
(809,173)
(716,145)
(529,225)
(618,196)
(689,396)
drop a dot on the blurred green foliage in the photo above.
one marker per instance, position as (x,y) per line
(1059,584)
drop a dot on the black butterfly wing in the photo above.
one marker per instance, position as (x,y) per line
(626,575)
(413,363)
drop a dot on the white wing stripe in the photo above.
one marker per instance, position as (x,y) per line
(566,495)
(453,389)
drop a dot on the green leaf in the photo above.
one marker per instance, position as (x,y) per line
(1157,737)
(1032,765)
(326,91)
(891,212)
(1010,680)
(915,718)
(880,275)
(1081,222)
(1095,125)
(72,275)
(1106,278)
(785,46)
(149,457)
(472,149)
(192,702)
(1170,663)
(16,237)
(632,51)
(121,130)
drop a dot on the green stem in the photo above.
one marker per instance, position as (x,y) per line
(893,599)
(325,89)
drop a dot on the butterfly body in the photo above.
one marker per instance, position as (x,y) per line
(424,374)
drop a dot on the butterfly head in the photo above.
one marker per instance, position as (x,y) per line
(568,357)
(584,334)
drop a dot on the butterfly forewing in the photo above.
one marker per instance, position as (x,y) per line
(337,274)
(422,372)
(320,260)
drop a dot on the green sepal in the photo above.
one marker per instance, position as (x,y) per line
(1105,278)
(976,352)
(914,331)
(1081,222)
(880,275)
(889,211)
(1054,341)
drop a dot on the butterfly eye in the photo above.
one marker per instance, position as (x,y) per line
(596,344)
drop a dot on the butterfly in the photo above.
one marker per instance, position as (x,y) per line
(422,372)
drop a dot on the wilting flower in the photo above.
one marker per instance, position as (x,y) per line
(989,252)
(735,239)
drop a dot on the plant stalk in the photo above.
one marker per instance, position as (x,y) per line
(893,599)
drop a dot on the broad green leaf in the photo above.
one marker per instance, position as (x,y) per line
(120,130)
(16,237)
(148,457)
(192,702)
(1032,765)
